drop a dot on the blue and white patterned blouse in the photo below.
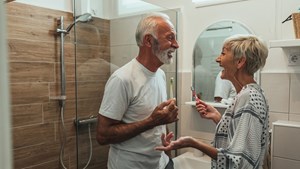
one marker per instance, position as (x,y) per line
(241,136)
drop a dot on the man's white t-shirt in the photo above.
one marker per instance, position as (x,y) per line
(131,94)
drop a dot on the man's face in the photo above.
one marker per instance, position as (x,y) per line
(166,55)
(165,44)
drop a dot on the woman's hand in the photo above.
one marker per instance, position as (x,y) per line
(207,111)
(177,144)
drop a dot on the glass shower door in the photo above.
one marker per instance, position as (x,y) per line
(92,72)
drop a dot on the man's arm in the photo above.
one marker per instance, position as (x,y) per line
(111,131)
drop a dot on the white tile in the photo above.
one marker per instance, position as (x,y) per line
(122,30)
(120,55)
(276,87)
(276,61)
(191,124)
(184,87)
(277,116)
(294,117)
(295,94)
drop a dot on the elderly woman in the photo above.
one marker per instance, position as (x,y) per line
(241,137)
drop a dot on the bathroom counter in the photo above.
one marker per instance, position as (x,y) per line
(189,161)
(214,104)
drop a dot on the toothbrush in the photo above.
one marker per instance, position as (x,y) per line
(194,94)
(196,97)
(171,88)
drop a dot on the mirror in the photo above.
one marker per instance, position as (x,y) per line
(208,47)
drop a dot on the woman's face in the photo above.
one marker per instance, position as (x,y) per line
(227,62)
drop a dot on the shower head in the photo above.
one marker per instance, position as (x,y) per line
(82,18)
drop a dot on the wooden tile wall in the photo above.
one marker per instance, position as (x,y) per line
(34,58)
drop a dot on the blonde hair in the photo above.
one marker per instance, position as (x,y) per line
(251,47)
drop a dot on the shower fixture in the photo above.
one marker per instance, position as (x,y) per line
(82,18)
(62,98)
(86,17)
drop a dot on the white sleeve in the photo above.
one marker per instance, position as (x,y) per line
(115,99)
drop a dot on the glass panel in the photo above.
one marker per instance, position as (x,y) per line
(102,46)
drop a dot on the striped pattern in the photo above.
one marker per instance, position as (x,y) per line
(242,134)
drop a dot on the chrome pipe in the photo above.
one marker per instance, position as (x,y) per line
(62,58)
(86,121)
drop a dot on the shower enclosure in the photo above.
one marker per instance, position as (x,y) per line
(55,100)
(102,46)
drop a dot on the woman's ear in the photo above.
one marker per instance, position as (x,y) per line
(241,62)
(147,40)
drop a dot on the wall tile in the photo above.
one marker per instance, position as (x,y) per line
(36,154)
(122,54)
(33,135)
(31,72)
(34,53)
(294,117)
(295,94)
(191,124)
(27,114)
(184,86)
(51,111)
(274,116)
(29,93)
(277,87)
(55,89)
(126,35)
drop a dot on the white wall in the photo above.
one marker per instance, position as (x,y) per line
(264,18)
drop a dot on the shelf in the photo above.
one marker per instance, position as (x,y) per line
(284,43)
(214,104)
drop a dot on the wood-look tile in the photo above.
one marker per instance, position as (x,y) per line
(69,72)
(33,135)
(93,71)
(55,90)
(70,130)
(34,45)
(36,154)
(33,25)
(88,107)
(25,10)
(92,53)
(52,111)
(31,72)
(89,90)
(26,50)
(29,93)
(94,33)
(47,165)
(27,114)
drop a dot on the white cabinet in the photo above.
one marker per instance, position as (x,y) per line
(285,145)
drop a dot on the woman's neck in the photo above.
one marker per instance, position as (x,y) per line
(240,81)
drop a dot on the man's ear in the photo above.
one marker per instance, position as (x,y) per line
(241,62)
(147,40)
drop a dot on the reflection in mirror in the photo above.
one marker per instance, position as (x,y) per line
(207,48)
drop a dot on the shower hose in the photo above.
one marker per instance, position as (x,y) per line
(64,141)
